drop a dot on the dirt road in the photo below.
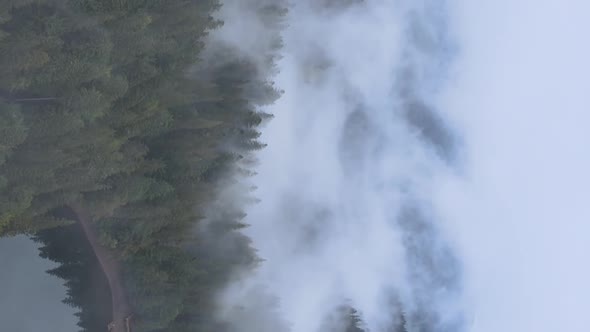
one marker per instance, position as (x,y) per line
(111,269)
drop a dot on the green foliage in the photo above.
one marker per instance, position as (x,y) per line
(12,129)
(104,104)
(88,290)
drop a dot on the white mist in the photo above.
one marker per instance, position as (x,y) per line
(426,156)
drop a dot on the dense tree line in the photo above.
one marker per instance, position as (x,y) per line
(87,286)
(108,116)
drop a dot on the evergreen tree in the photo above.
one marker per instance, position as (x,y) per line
(114,140)
(87,287)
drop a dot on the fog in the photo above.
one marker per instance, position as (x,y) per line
(345,184)
(427,160)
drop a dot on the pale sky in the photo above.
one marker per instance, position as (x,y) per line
(30,299)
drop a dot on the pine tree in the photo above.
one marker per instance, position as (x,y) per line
(114,137)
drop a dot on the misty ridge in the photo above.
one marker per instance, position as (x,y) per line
(353,244)
(294,166)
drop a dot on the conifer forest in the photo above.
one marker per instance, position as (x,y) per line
(115,137)
(294,166)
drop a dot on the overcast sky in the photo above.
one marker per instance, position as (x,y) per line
(520,213)
(505,221)
(30,299)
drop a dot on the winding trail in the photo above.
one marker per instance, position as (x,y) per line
(111,268)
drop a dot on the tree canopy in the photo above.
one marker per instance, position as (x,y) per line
(106,111)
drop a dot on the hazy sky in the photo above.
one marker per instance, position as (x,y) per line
(498,240)
(520,213)
(30,299)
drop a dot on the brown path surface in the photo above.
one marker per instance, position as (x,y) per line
(111,269)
